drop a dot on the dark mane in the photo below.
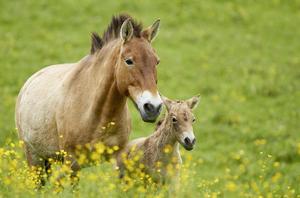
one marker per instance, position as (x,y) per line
(113,31)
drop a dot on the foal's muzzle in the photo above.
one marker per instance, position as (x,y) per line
(188,140)
(189,143)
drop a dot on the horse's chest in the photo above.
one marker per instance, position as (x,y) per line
(90,129)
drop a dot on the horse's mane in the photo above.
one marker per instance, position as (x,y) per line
(113,31)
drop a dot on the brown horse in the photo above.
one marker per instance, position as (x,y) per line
(65,105)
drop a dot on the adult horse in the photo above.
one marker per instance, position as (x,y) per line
(65,105)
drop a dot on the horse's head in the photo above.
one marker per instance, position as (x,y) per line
(181,119)
(136,69)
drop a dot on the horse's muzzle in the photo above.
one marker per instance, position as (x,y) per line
(149,106)
(189,141)
(150,112)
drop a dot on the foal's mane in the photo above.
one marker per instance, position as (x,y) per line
(160,121)
(113,31)
(163,117)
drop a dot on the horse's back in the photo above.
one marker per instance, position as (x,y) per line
(35,108)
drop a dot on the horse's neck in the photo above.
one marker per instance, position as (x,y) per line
(104,99)
(108,100)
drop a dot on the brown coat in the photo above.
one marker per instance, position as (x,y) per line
(65,105)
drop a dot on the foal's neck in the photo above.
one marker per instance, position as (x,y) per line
(164,135)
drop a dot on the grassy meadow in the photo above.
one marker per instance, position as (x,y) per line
(243,57)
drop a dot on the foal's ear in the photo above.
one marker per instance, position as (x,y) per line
(126,31)
(193,102)
(167,102)
(151,32)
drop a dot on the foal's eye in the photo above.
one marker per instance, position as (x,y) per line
(129,61)
(158,61)
(194,119)
(174,119)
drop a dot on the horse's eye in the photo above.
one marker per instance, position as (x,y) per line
(129,61)
(158,61)
(194,119)
(174,119)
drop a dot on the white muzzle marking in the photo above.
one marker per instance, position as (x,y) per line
(147,97)
(187,134)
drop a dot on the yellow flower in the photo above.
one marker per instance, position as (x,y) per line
(141,166)
(276,164)
(276,177)
(82,159)
(110,151)
(168,149)
(21,143)
(100,148)
(2,151)
(141,189)
(115,147)
(158,164)
(254,186)
(112,186)
(259,142)
(231,186)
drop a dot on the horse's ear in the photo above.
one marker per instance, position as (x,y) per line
(193,102)
(151,32)
(126,31)
(167,102)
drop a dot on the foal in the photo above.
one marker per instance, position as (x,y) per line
(158,154)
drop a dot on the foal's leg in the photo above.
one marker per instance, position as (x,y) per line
(120,166)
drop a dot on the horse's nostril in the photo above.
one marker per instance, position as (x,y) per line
(194,141)
(149,108)
(187,141)
(159,108)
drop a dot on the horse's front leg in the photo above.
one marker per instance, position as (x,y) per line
(68,170)
(72,163)
(36,163)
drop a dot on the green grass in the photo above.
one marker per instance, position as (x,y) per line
(241,56)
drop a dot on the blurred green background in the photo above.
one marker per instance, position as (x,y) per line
(242,56)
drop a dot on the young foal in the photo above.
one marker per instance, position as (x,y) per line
(161,148)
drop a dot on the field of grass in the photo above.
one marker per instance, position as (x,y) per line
(242,56)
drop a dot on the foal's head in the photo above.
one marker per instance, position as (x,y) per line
(181,119)
(135,72)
